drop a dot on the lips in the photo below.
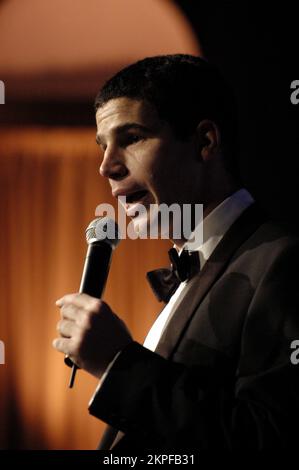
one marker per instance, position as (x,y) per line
(132,200)
(135,203)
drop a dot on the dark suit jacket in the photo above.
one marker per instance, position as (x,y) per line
(221,376)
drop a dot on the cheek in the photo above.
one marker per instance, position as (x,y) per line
(157,166)
(162,183)
(147,163)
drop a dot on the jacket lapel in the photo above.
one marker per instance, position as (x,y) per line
(107,438)
(199,285)
(197,288)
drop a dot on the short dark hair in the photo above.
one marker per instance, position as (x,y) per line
(184,89)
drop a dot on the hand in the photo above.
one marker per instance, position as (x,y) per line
(91,334)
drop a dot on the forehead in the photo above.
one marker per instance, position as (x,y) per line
(120,111)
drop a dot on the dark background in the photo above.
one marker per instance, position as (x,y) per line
(47,155)
(256,46)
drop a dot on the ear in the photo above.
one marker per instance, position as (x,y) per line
(208,139)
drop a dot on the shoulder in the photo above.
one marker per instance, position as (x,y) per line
(270,246)
(271,238)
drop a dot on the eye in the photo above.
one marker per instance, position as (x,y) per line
(101,146)
(134,138)
(131,139)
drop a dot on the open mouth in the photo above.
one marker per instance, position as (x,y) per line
(135,203)
(136,196)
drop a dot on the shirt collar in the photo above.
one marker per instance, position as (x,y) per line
(213,227)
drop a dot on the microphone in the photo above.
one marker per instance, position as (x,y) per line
(102,236)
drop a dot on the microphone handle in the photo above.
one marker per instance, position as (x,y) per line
(93,281)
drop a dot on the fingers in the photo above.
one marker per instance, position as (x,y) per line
(78,312)
(70,312)
(80,300)
(68,343)
(74,306)
(63,345)
(91,333)
(67,328)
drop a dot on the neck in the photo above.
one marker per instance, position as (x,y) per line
(207,209)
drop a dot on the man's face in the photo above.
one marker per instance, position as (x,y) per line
(143,160)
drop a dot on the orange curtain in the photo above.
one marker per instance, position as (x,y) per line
(50,188)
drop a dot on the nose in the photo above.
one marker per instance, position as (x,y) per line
(113,165)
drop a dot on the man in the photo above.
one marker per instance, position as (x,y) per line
(215,369)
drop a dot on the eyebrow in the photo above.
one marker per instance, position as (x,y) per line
(123,128)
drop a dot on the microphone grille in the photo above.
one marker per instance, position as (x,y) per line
(103,229)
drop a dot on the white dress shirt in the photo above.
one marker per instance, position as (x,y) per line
(213,227)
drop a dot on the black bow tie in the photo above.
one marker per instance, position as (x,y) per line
(165,282)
